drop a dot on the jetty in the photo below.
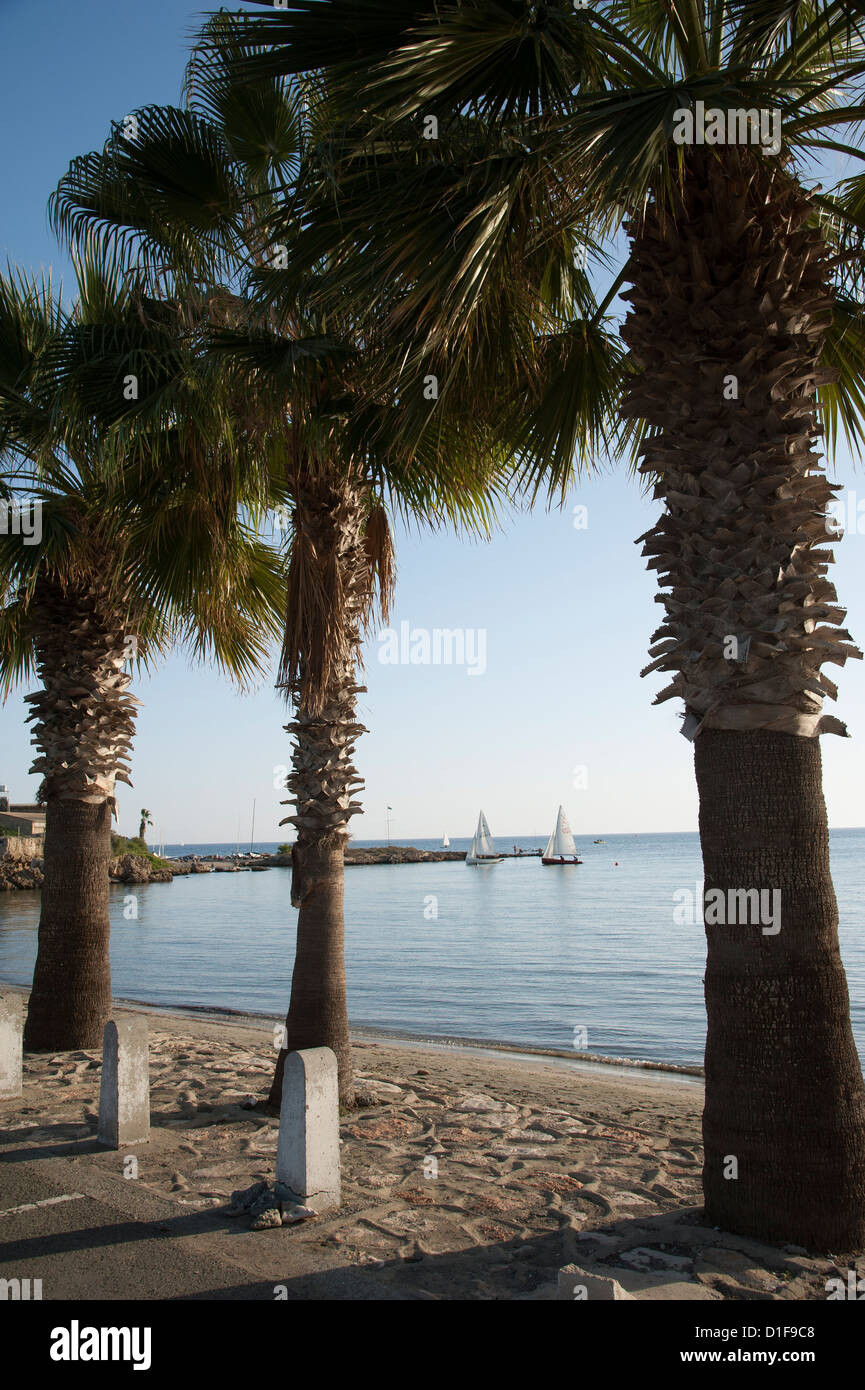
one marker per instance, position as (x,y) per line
(21,862)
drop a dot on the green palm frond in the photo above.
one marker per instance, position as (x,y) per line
(581,379)
(261,120)
(509,61)
(793,36)
(275,363)
(30,318)
(843,400)
(424,235)
(166,193)
(309,35)
(143,496)
(104,288)
(17,657)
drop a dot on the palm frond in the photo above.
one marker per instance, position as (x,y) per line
(17,657)
(843,400)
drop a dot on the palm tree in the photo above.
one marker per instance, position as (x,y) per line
(743,329)
(129,559)
(193,198)
(143,823)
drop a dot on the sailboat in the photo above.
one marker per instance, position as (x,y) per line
(483,850)
(560,846)
(445,840)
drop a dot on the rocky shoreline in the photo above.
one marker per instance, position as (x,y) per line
(401,854)
(19,872)
(127,868)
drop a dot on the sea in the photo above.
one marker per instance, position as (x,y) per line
(598,957)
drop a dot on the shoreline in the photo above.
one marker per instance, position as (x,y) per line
(466,1173)
(632,1068)
(25,872)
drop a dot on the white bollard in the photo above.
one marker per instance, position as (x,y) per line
(307,1157)
(11,1045)
(124,1096)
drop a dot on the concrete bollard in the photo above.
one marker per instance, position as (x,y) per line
(307,1157)
(11,1045)
(124,1096)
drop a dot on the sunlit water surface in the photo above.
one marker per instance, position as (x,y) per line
(514,952)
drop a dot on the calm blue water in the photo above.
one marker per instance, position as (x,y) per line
(515,952)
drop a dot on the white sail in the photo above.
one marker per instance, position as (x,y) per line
(485,845)
(561,844)
(483,849)
(445,840)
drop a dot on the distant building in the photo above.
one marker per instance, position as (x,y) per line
(26,819)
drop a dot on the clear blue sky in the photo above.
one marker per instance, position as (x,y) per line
(568,613)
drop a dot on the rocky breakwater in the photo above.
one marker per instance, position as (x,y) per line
(20,863)
(379,854)
(134,868)
(19,872)
(400,854)
(21,868)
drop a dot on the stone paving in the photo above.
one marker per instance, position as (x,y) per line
(491,1178)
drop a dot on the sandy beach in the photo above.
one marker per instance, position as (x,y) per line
(467,1174)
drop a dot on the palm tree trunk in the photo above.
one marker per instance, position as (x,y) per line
(730,305)
(70,1002)
(328,590)
(784,1091)
(317,1012)
(83,726)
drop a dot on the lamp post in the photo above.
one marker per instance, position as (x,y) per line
(387,822)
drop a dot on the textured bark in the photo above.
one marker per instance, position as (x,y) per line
(83,726)
(317,1015)
(730,293)
(329,521)
(730,290)
(84,720)
(70,1001)
(784,1089)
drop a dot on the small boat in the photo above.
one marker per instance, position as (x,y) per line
(482,849)
(445,840)
(599,842)
(560,846)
